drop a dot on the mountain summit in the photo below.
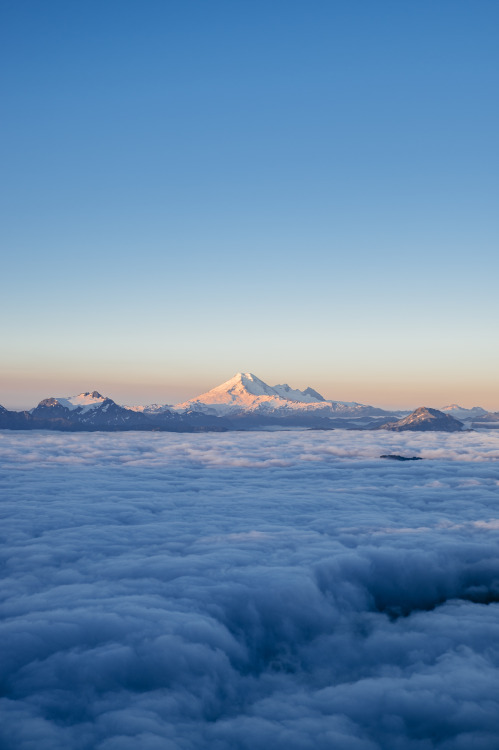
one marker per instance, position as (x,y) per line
(246,392)
(249,403)
(87,411)
(425,419)
(84,401)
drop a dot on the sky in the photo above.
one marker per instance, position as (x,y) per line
(305,191)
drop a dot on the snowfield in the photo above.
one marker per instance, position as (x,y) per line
(283,590)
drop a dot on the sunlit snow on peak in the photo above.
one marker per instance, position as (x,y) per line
(246,393)
(87,400)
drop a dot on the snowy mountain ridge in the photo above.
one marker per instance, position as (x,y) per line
(84,401)
(246,393)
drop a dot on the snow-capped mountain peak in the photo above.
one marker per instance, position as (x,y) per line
(245,388)
(245,382)
(424,419)
(247,394)
(86,401)
(241,391)
(460,412)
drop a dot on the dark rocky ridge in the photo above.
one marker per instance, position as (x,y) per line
(425,419)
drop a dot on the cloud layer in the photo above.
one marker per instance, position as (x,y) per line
(275,590)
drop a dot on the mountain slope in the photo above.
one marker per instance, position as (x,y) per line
(89,410)
(246,397)
(245,392)
(425,419)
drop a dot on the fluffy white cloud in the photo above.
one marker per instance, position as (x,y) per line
(280,590)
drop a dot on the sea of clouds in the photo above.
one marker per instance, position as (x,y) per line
(286,590)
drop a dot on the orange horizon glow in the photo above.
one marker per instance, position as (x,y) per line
(25,392)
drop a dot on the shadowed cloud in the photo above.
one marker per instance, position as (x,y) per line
(281,590)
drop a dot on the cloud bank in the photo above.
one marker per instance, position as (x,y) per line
(277,590)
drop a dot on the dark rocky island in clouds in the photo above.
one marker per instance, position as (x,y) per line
(242,403)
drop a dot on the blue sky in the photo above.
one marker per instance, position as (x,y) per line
(307,191)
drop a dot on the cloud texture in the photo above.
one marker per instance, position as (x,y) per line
(284,590)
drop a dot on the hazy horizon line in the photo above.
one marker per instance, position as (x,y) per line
(29,402)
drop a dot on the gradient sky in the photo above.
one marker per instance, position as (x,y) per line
(304,190)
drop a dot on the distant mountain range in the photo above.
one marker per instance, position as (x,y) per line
(242,403)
